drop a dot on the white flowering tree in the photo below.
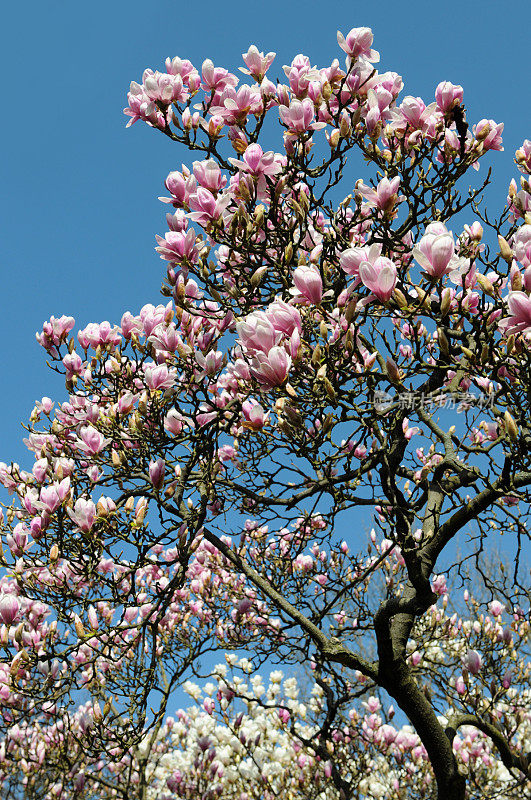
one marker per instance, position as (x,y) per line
(328,350)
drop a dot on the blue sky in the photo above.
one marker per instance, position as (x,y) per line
(79,206)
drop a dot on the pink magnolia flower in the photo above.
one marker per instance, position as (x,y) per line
(178,245)
(233,107)
(489,133)
(51,497)
(520,309)
(358,42)
(379,276)
(253,415)
(205,208)
(54,333)
(299,116)
(351,259)
(496,608)
(140,106)
(99,334)
(272,369)
(180,187)
(160,86)
(258,163)
(472,661)
(174,422)
(91,441)
(308,285)
(158,376)
(156,472)
(507,679)
(208,175)
(9,608)
(73,364)
(257,64)
(257,333)
(216,78)
(284,317)
(435,251)
(83,514)
(384,197)
(522,157)
(448,95)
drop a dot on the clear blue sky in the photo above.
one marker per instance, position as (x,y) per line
(79,202)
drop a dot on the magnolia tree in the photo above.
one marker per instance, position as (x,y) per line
(328,351)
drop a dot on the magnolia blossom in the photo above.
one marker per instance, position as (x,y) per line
(9,608)
(448,95)
(271,369)
(156,472)
(83,514)
(299,116)
(253,415)
(472,661)
(257,64)
(435,251)
(384,197)
(308,285)
(158,376)
(520,309)
(358,42)
(379,276)
(91,441)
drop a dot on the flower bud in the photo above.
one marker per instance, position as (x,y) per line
(510,426)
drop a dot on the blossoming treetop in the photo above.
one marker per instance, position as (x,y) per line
(203,484)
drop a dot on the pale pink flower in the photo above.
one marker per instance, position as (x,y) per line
(234,106)
(284,317)
(523,157)
(180,187)
(299,115)
(158,376)
(209,175)
(257,162)
(308,284)
(520,309)
(448,95)
(358,42)
(351,259)
(271,369)
(83,514)
(384,197)
(253,415)
(257,64)
(257,333)
(99,334)
(174,422)
(51,497)
(205,208)
(156,472)
(216,78)
(178,245)
(435,251)
(9,608)
(91,441)
(472,662)
(161,86)
(496,608)
(379,277)
(73,364)
(489,133)
(54,333)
